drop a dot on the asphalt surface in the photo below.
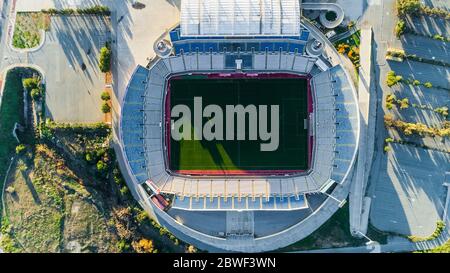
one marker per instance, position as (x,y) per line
(406,190)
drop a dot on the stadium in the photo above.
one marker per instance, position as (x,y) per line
(227,194)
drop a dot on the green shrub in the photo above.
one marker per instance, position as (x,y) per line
(428,85)
(31,83)
(105,59)
(389,140)
(105,96)
(102,167)
(99,10)
(404,103)
(35,94)
(439,37)
(442,110)
(389,105)
(416,82)
(391,98)
(124,190)
(141,216)
(20,148)
(89,158)
(123,246)
(106,108)
(400,28)
(393,79)
(405,7)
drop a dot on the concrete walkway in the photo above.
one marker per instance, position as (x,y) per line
(366,96)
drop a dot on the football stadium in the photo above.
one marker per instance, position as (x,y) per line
(242,134)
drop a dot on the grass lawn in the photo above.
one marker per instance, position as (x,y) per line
(353,40)
(28,27)
(350,48)
(10,113)
(289,93)
(335,233)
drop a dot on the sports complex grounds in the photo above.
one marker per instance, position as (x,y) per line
(289,92)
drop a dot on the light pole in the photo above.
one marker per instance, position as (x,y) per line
(370,241)
(341,202)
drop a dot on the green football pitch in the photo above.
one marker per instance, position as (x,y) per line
(243,155)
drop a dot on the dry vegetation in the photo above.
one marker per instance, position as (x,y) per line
(28,27)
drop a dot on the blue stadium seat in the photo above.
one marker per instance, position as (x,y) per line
(182,203)
(174,36)
(240,205)
(282,203)
(266,46)
(255,46)
(268,204)
(278,46)
(200,47)
(198,203)
(297,203)
(225,205)
(254,204)
(211,47)
(304,35)
(293,47)
(212,204)
(181,47)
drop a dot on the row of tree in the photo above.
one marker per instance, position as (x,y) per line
(415,7)
(418,128)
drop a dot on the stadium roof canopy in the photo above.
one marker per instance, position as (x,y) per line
(240,18)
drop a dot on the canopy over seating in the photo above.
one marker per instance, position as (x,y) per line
(240,18)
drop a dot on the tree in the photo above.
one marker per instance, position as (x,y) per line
(35,93)
(404,103)
(400,28)
(106,108)
(144,246)
(31,83)
(105,59)
(392,78)
(89,158)
(105,96)
(428,85)
(405,7)
(191,249)
(20,148)
(101,166)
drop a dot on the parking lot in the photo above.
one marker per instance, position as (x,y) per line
(407,193)
(69,59)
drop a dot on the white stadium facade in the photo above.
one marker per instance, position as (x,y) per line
(233,213)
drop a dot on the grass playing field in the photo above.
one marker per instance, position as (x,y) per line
(244,155)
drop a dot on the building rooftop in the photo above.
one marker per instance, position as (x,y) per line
(240,18)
